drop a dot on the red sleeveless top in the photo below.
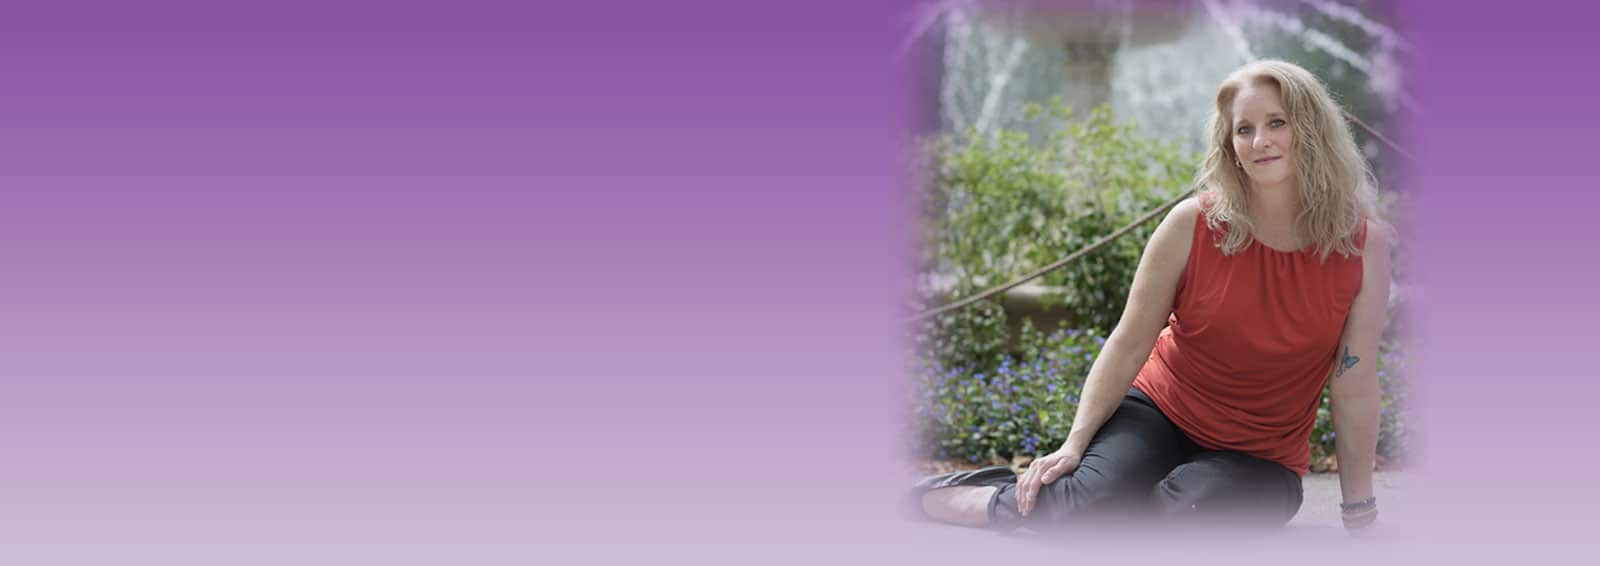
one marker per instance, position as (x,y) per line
(1250,344)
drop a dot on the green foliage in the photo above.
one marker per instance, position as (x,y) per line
(975,336)
(1023,405)
(1007,205)
(1001,207)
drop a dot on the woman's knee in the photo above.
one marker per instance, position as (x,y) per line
(1224,492)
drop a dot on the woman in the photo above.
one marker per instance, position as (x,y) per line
(1249,298)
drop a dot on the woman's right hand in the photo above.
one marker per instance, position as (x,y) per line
(1042,472)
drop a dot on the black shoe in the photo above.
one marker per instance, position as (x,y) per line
(994,476)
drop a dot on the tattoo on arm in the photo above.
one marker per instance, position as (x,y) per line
(1346,361)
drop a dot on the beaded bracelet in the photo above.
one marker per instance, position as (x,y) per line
(1360,505)
(1360,520)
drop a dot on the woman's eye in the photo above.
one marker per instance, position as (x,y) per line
(1242,130)
(1279,123)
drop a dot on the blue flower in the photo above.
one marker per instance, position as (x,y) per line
(1099,341)
(1052,387)
(972,458)
(1015,408)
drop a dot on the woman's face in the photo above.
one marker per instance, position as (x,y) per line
(1262,137)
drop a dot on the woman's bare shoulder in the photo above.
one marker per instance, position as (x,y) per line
(1183,216)
(1172,238)
(1379,236)
(1187,210)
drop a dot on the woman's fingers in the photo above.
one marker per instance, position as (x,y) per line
(1041,472)
(1066,465)
(1056,471)
(1028,486)
(1044,474)
(1049,474)
(1022,490)
(1022,487)
(1039,481)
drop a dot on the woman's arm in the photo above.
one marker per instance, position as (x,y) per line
(1155,284)
(1353,387)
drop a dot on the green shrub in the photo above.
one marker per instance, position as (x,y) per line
(1021,406)
(1005,206)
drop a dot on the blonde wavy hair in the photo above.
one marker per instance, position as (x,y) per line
(1336,186)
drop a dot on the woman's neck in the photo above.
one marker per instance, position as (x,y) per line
(1273,211)
(1276,206)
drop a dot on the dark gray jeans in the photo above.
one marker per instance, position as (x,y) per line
(1141,467)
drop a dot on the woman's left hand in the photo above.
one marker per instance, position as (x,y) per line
(1359,521)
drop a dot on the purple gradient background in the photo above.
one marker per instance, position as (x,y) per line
(617,283)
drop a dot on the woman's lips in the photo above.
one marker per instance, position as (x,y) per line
(1267,160)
